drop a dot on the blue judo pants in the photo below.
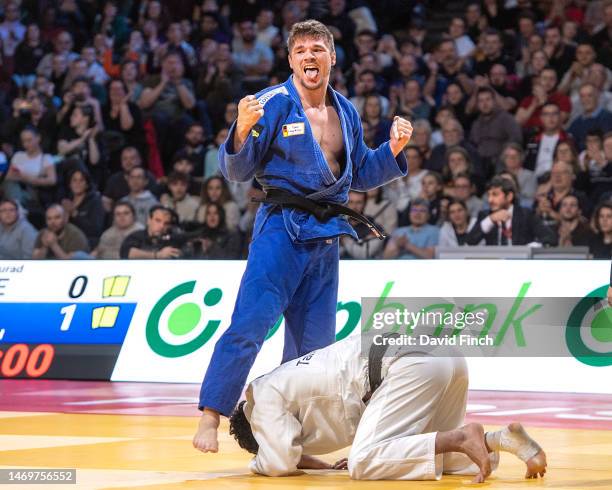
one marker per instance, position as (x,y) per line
(281,277)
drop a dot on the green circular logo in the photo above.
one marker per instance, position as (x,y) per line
(184,319)
(600,328)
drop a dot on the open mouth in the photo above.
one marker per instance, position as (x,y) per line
(311,72)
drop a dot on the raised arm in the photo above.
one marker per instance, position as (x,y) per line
(373,168)
(247,141)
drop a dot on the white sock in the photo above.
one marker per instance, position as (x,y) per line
(513,439)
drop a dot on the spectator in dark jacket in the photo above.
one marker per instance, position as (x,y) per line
(216,241)
(506,223)
(84,206)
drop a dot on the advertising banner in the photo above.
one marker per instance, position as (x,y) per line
(164,317)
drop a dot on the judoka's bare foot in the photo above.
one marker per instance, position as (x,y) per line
(205,438)
(515,440)
(470,441)
(474,447)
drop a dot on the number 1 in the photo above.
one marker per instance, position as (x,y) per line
(68,312)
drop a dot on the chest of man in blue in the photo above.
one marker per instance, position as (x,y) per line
(301,139)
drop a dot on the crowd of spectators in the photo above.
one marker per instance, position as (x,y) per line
(112,112)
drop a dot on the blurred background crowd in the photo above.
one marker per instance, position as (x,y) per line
(112,112)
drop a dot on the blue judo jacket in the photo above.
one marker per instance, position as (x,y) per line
(281,152)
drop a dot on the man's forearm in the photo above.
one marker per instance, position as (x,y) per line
(240,137)
(58,251)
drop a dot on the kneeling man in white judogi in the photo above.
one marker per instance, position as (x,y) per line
(403,415)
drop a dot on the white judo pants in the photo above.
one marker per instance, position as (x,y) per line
(396,436)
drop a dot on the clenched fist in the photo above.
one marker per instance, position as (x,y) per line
(249,112)
(401,132)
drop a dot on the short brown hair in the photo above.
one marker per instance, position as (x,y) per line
(310,28)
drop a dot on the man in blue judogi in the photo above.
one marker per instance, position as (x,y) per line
(300,139)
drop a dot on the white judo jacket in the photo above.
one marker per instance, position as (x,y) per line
(311,405)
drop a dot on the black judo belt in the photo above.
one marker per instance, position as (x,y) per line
(323,211)
(375,357)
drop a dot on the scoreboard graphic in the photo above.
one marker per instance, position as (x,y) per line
(69,327)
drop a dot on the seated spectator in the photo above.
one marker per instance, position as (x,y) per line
(410,101)
(252,57)
(512,161)
(139,196)
(28,53)
(216,241)
(559,53)
(80,142)
(601,242)
(444,114)
(566,152)
(504,174)
(123,118)
(493,128)
(365,86)
(603,37)
(493,48)
(31,172)
(124,224)
(194,148)
(455,107)
(264,24)
(94,70)
(421,138)
(446,67)
(458,161)
(17,235)
(381,210)
(573,229)
(117,185)
(562,178)
(367,246)
(130,76)
(84,206)
(62,46)
(541,147)
(185,165)
(166,99)
(464,45)
(155,241)
(600,78)
(592,117)
(401,191)
(432,187)
(599,167)
(452,134)
(528,115)
(185,205)
(453,233)
(211,159)
(30,112)
(506,223)
(79,94)
(215,189)
(506,94)
(219,82)
(60,239)
(577,73)
(464,191)
(372,114)
(416,241)
(538,60)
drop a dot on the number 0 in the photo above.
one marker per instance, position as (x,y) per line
(81,282)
